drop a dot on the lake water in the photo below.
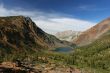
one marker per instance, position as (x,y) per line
(63,49)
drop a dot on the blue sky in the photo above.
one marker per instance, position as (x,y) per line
(70,14)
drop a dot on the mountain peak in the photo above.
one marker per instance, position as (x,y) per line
(15,18)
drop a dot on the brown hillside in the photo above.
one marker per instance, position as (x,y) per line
(93,33)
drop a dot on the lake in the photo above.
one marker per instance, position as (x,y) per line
(63,49)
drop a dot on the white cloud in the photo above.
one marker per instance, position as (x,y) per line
(64,23)
(49,22)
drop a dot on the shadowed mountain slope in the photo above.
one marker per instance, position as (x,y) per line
(20,33)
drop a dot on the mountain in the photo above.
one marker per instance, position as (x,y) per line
(19,33)
(68,35)
(93,33)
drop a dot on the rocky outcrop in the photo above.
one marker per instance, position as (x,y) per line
(10,67)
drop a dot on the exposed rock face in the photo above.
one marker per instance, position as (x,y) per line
(19,33)
(93,33)
(68,35)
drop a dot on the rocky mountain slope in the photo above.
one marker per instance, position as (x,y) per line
(93,33)
(19,33)
(68,35)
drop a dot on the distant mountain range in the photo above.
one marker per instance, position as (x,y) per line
(68,35)
(19,33)
(86,37)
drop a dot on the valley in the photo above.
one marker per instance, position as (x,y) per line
(26,48)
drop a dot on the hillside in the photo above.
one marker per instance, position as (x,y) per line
(95,55)
(20,34)
(93,33)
